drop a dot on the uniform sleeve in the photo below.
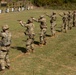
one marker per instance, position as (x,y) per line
(2,34)
(35,19)
(22,23)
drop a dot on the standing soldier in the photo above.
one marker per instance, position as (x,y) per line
(43,27)
(30,33)
(5,46)
(65,22)
(74,18)
(53,23)
(69,16)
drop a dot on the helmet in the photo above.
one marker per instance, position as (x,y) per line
(4,27)
(30,20)
(54,13)
(41,16)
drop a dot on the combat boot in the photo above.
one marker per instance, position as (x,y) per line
(28,52)
(8,67)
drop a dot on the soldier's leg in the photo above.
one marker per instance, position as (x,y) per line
(32,47)
(2,59)
(32,37)
(73,23)
(54,31)
(7,57)
(62,27)
(66,29)
(44,39)
(70,25)
(28,47)
(7,60)
(41,39)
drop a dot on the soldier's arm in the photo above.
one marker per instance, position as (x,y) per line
(48,15)
(23,24)
(2,34)
(35,19)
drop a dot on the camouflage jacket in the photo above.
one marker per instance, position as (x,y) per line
(5,38)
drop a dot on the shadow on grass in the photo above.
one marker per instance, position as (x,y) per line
(47,35)
(22,49)
(36,42)
(58,30)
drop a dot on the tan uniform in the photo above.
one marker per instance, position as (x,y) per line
(30,33)
(69,20)
(53,24)
(74,18)
(43,28)
(5,46)
(65,22)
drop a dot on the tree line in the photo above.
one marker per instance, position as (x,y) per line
(65,4)
(52,2)
(57,3)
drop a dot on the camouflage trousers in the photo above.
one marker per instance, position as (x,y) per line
(31,36)
(70,24)
(64,27)
(4,57)
(74,23)
(43,36)
(53,28)
(53,31)
(29,45)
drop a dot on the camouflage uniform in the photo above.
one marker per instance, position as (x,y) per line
(53,23)
(43,28)
(5,46)
(30,33)
(69,20)
(65,22)
(74,18)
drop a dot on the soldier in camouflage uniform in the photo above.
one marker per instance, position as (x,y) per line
(30,33)
(5,46)
(53,23)
(65,22)
(43,27)
(74,18)
(69,16)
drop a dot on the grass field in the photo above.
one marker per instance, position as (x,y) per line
(58,57)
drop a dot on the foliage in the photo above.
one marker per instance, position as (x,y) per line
(52,2)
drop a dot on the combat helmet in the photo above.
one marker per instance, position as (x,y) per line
(53,13)
(30,20)
(5,27)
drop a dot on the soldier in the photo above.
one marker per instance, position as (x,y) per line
(5,46)
(53,23)
(74,18)
(43,28)
(65,22)
(30,33)
(69,16)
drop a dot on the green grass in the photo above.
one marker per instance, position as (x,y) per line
(58,57)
